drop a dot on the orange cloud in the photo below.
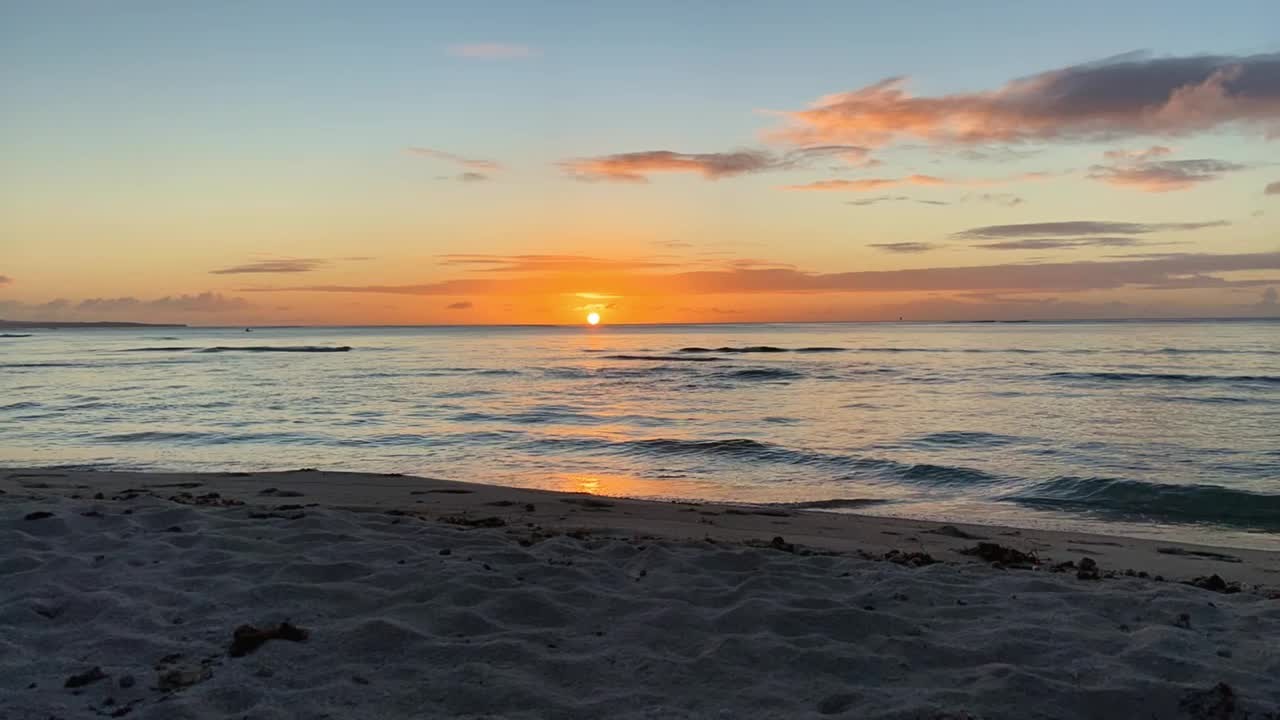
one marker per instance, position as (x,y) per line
(1014,277)
(636,167)
(1138,155)
(1125,96)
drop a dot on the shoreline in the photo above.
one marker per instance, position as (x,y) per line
(607,516)
(181,596)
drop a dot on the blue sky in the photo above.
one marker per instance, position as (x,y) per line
(165,140)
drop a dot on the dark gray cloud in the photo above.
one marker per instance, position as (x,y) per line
(1039,243)
(615,279)
(1125,96)
(1079,227)
(1163,175)
(893,198)
(1005,199)
(637,167)
(904,247)
(294,265)
(464,305)
(1272,189)
(206,302)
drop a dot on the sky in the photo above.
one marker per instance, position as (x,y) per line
(455,163)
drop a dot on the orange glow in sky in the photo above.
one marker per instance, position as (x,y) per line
(1012,177)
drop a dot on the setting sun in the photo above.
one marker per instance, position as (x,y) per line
(593,318)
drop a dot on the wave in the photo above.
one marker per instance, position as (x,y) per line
(763,374)
(1183,503)
(14,335)
(1212,351)
(20,406)
(851,467)
(209,438)
(1212,400)
(965,438)
(277,348)
(1164,377)
(835,503)
(243,348)
(759,349)
(54,364)
(662,358)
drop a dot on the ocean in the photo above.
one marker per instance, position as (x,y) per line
(1153,429)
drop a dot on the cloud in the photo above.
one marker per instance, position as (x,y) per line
(892,198)
(470,163)
(284,265)
(867,184)
(1038,243)
(464,305)
(472,177)
(1272,189)
(636,167)
(904,247)
(854,155)
(1007,278)
(1125,96)
(206,302)
(6,280)
(997,154)
(1138,155)
(297,265)
(1269,298)
(492,51)
(549,263)
(1006,199)
(1079,227)
(1163,176)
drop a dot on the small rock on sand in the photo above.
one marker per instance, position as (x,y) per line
(88,677)
(248,638)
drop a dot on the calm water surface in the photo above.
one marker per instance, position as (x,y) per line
(1165,428)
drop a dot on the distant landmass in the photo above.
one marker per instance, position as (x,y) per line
(53,324)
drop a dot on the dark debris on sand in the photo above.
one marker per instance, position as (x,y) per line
(88,677)
(1214,583)
(492,521)
(248,638)
(212,499)
(909,559)
(1216,703)
(955,532)
(996,553)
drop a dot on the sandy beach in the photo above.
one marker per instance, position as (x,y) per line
(125,594)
